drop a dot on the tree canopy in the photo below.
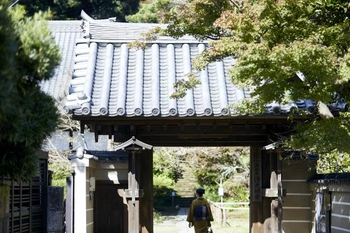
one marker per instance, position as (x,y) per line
(95,8)
(208,165)
(285,50)
(150,12)
(29,55)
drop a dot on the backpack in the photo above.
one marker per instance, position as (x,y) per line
(201,213)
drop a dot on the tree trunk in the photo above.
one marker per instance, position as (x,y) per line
(4,208)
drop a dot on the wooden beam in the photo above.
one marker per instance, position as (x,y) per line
(201,141)
(263,119)
(195,130)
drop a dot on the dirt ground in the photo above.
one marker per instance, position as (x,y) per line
(237,222)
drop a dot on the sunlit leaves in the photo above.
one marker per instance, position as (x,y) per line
(194,18)
(323,136)
(273,71)
(334,162)
(344,69)
(182,86)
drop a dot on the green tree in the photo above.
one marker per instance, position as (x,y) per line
(150,12)
(27,115)
(71,9)
(334,162)
(227,164)
(209,166)
(285,51)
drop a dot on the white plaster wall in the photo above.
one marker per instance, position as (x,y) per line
(89,202)
(80,199)
(84,169)
(83,213)
(115,172)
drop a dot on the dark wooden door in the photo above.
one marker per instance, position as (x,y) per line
(110,213)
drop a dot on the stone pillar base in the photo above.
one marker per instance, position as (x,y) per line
(55,209)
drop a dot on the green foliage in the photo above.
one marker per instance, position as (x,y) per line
(60,170)
(182,86)
(95,8)
(166,164)
(160,180)
(210,165)
(273,42)
(317,135)
(231,165)
(150,12)
(162,188)
(158,217)
(59,182)
(334,162)
(195,17)
(237,189)
(27,115)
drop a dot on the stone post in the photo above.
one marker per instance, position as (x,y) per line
(4,208)
(55,209)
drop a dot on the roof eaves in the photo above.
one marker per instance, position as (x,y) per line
(330,178)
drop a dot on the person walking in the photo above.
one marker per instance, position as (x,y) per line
(199,214)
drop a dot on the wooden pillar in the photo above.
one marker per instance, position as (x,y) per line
(4,208)
(256,203)
(140,186)
(146,184)
(132,195)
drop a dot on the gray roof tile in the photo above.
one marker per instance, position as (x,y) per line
(103,77)
(65,34)
(125,81)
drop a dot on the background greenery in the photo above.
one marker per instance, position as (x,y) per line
(209,166)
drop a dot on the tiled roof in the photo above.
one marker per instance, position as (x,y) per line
(65,34)
(107,78)
(111,79)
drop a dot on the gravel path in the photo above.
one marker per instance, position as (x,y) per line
(174,224)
